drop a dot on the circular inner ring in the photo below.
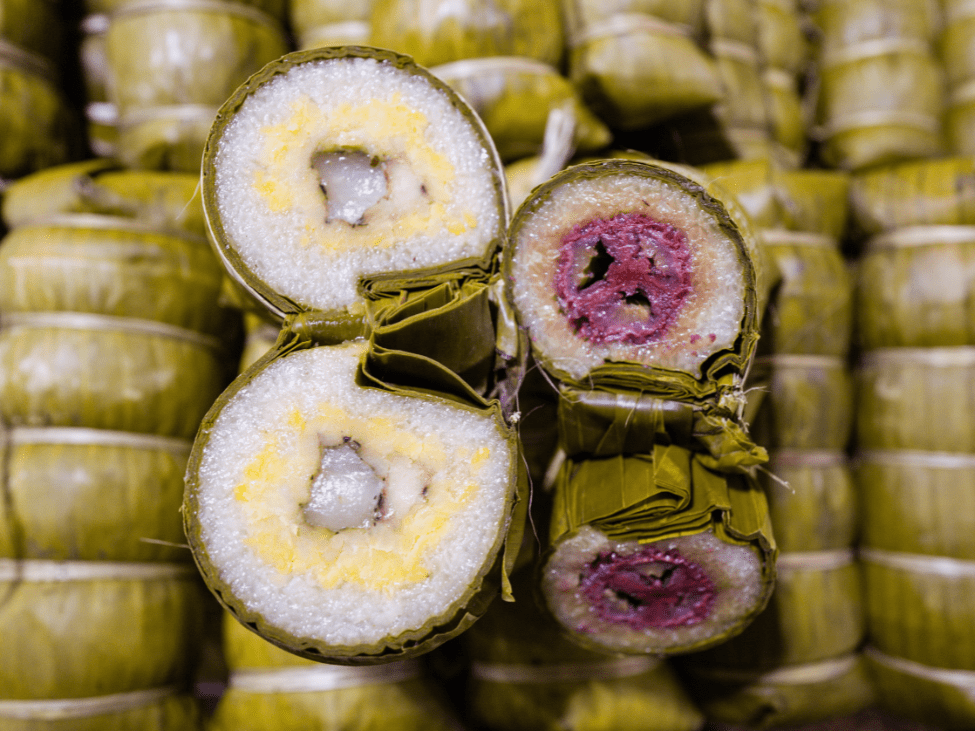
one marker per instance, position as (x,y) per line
(623,279)
(648,589)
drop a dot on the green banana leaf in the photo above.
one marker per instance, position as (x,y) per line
(915,398)
(782,38)
(959,120)
(581,14)
(153,710)
(915,288)
(123,374)
(87,628)
(33,25)
(395,373)
(917,502)
(83,494)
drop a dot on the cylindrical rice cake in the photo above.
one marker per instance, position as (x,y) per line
(631,265)
(353,162)
(347,523)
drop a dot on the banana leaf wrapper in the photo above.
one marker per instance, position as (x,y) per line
(112,266)
(36,124)
(634,70)
(275,8)
(397,258)
(732,20)
(782,39)
(787,116)
(815,614)
(348,33)
(162,200)
(955,48)
(959,121)
(811,311)
(92,495)
(525,676)
(789,696)
(32,25)
(809,405)
(169,138)
(101,128)
(881,105)
(581,14)
(917,502)
(306,15)
(755,185)
(919,608)
(269,689)
(91,56)
(475,29)
(743,103)
(259,338)
(88,628)
(702,538)
(648,340)
(514,97)
(844,24)
(901,393)
(814,502)
(916,193)
(353,572)
(161,709)
(915,288)
(922,692)
(76,369)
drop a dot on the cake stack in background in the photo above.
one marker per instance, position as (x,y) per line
(38,128)
(798,662)
(916,434)
(111,350)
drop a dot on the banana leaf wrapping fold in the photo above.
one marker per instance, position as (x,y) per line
(813,500)
(923,692)
(916,398)
(92,628)
(919,607)
(167,92)
(915,288)
(782,35)
(434,34)
(622,504)
(525,676)
(634,69)
(514,97)
(916,193)
(917,502)
(161,200)
(306,15)
(815,614)
(123,374)
(270,689)
(392,377)
(112,266)
(789,696)
(809,404)
(390,295)
(720,244)
(689,14)
(36,124)
(811,311)
(163,709)
(94,495)
(880,102)
(787,117)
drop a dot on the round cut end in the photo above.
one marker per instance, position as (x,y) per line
(339,165)
(666,597)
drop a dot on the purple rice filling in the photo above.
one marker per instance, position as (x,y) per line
(623,279)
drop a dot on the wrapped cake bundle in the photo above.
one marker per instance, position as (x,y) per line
(881,86)
(639,291)
(915,193)
(163,709)
(37,129)
(359,163)
(318,23)
(87,629)
(436,32)
(347,519)
(167,93)
(525,676)
(515,97)
(271,689)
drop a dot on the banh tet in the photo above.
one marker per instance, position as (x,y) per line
(636,273)
(348,520)
(352,161)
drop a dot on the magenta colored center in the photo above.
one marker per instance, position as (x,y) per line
(650,588)
(623,279)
